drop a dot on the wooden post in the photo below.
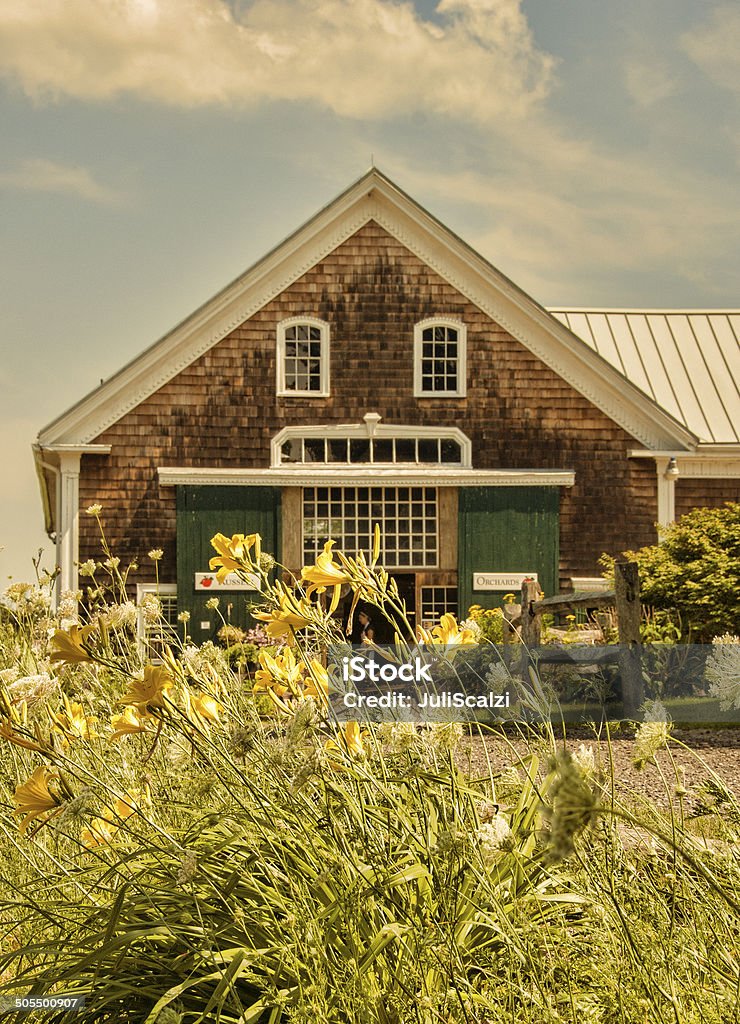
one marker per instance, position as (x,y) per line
(531,620)
(629,614)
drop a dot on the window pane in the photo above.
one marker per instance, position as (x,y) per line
(405,450)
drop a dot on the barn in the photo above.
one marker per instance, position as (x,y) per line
(373,368)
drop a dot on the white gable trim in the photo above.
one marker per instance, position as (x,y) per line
(376,198)
(429,476)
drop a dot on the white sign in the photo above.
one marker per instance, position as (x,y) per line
(208,581)
(501,580)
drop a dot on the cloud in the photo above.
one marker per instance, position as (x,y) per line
(608,214)
(715,47)
(364,59)
(38,175)
(649,82)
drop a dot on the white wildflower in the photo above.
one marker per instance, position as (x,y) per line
(584,758)
(397,736)
(183,617)
(112,562)
(445,737)
(493,836)
(156,554)
(472,625)
(95,509)
(121,616)
(32,689)
(723,671)
(9,675)
(212,604)
(88,568)
(151,606)
(68,606)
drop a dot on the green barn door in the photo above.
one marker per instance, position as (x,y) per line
(507,529)
(203,512)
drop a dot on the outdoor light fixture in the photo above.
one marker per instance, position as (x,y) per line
(672,469)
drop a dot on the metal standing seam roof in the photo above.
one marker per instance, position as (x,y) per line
(687,361)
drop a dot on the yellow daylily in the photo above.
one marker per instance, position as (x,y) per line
(68,645)
(286,680)
(281,674)
(100,832)
(34,798)
(235,553)
(73,722)
(128,724)
(352,738)
(293,614)
(206,707)
(150,691)
(19,739)
(325,573)
(449,633)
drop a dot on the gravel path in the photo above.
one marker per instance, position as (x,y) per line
(719,749)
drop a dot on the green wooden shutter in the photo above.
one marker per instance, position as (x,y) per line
(203,512)
(507,529)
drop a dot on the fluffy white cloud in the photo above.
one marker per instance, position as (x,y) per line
(715,46)
(359,58)
(38,175)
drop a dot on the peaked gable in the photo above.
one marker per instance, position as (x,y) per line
(374,198)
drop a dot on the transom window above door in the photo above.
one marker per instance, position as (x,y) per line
(440,358)
(370,444)
(303,357)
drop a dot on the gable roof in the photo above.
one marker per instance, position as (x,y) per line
(688,361)
(374,197)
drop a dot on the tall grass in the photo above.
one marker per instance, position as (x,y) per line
(203,847)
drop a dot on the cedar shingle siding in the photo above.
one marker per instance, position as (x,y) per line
(223,411)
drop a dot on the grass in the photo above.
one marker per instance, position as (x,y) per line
(221,855)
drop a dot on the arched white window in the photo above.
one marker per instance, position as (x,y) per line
(303,357)
(439,358)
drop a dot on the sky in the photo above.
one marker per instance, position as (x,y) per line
(154,149)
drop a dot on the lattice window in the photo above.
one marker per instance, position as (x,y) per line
(387,450)
(303,357)
(407,517)
(439,348)
(435,602)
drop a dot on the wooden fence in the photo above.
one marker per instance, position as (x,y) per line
(625,598)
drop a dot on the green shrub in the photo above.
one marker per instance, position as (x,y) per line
(695,570)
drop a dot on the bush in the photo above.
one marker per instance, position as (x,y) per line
(695,569)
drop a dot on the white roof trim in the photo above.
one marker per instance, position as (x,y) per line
(172,476)
(374,197)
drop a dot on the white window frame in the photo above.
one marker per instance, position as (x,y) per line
(308,321)
(462,373)
(370,427)
(160,590)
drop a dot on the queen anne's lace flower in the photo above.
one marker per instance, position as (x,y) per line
(398,737)
(652,735)
(493,836)
(723,671)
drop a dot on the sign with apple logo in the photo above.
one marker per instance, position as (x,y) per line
(209,581)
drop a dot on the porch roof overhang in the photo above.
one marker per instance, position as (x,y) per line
(394,476)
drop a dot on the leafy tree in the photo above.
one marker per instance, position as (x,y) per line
(696,570)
